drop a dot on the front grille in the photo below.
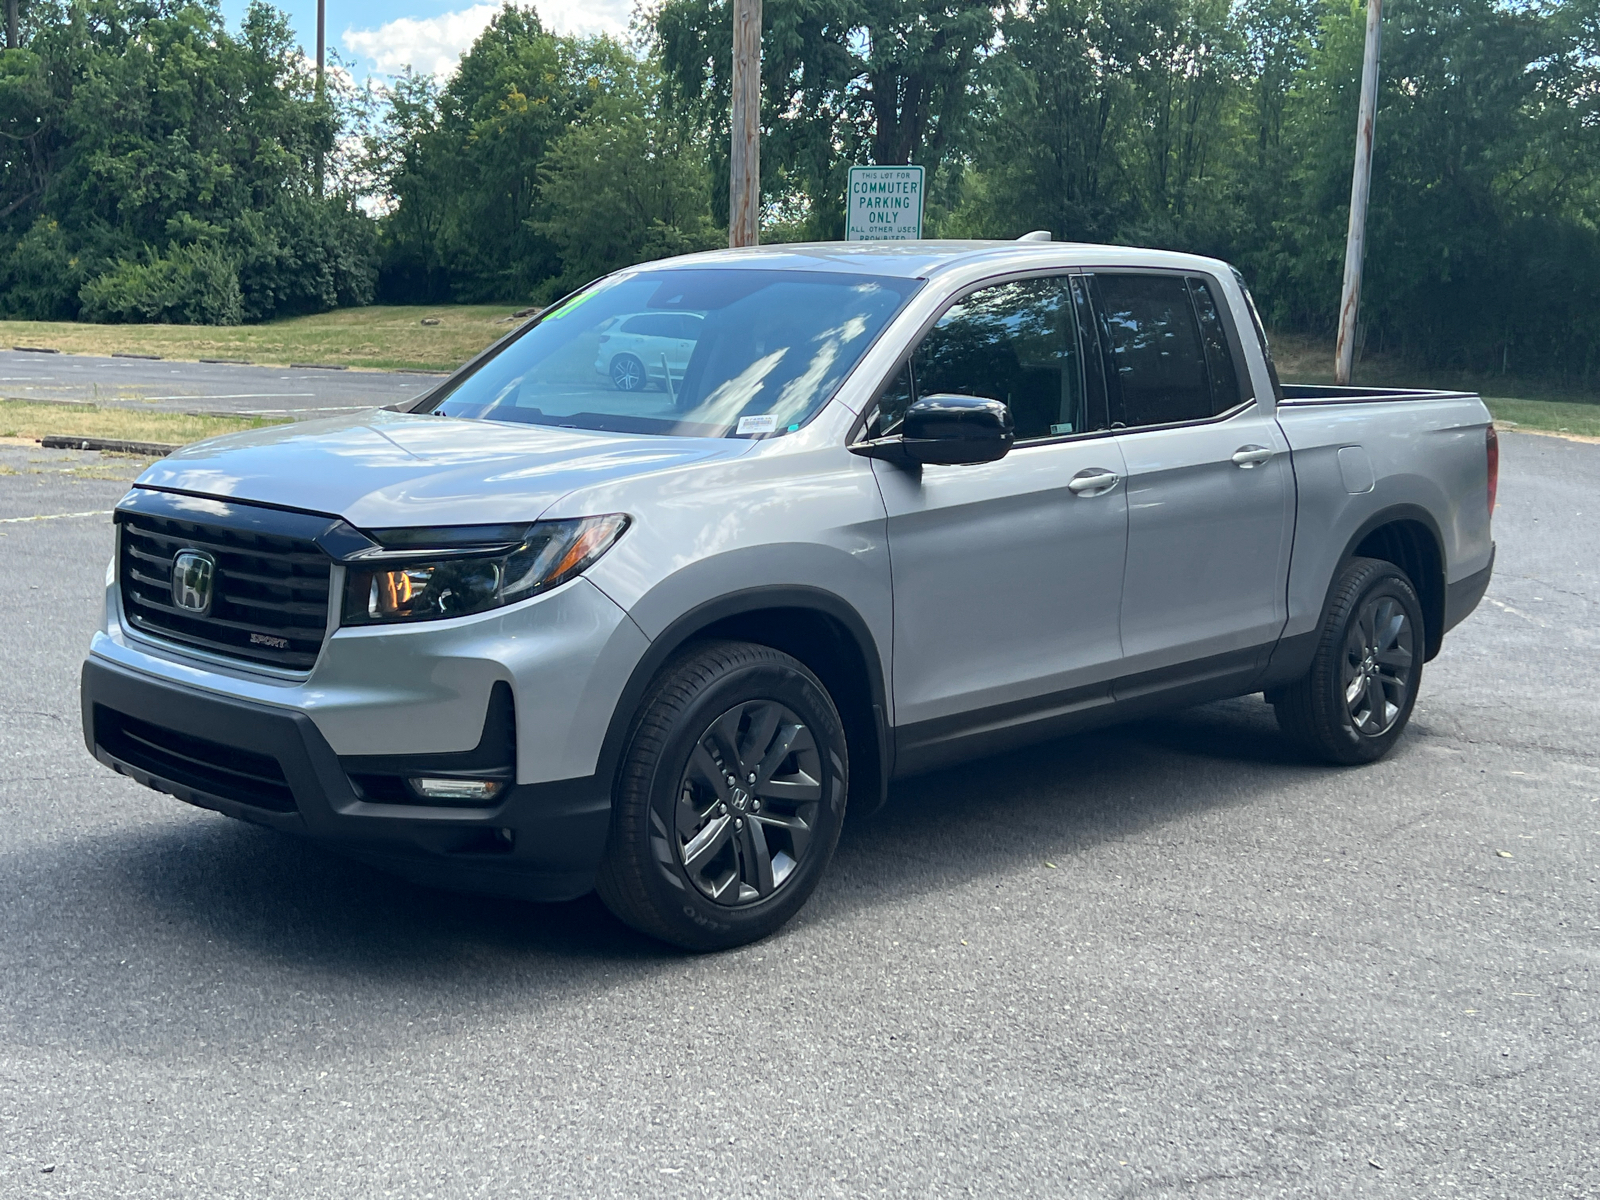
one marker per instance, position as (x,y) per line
(226,771)
(269,594)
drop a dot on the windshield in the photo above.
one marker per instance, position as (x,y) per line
(704,353)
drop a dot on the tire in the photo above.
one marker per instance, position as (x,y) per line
(1355,702)
(698,856)
(627,373)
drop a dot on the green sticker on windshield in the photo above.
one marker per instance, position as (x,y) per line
(570,305)
(584,297)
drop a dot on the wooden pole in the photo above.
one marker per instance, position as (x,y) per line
(11,24)
(322,66)
(744,176)
(1360,186)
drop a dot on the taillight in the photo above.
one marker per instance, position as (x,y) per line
(1491,447)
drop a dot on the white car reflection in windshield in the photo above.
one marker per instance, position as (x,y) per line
(697,352)
(648,350)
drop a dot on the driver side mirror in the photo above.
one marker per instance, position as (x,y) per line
(946,430)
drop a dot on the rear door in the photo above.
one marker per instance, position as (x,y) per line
(1007,575)
(1210,492)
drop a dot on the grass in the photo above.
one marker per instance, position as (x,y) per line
(20,419)
(1551,416)
(389,337)
(1303,359)
(393,337)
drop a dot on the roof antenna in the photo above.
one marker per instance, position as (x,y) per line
(1038,235)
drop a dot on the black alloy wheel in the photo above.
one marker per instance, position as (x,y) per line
(1379,653)
(1353,704)
(729,798)
(747,802)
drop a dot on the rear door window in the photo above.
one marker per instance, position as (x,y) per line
(1220,366)
(1156,357)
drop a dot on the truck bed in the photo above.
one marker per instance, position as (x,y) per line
(1300,395)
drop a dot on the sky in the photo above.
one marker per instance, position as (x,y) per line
(383,36)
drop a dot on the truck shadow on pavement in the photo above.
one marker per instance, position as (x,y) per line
(1060,798)
(278,912)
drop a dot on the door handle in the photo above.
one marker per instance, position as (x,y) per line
(1096,481)
(1251,456)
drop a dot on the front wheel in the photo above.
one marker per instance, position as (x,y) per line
(729,800)
(1354,703)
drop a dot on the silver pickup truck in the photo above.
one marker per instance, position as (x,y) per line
(638,599)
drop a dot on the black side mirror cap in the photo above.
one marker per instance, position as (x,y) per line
(946,429)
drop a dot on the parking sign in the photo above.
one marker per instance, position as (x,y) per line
(884,204)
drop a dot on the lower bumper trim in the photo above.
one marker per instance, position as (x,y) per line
(272,766)
(1462,596)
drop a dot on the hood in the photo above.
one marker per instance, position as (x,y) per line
(382,469)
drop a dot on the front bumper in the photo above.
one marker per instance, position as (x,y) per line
(272,765)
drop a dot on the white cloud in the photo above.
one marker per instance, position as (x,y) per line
(433,45)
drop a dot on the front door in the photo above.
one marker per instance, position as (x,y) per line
(1007,575)
(1209,488)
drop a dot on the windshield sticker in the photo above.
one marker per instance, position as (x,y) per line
(584,297)
(762,424)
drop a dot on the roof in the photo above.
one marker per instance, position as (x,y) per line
(920,259)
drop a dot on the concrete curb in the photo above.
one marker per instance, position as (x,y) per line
(57,441)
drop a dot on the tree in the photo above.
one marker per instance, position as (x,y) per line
(160,168)
(624,185)
(843,81)
(1483,251)
(464,160)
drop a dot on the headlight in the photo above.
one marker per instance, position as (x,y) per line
(428,574)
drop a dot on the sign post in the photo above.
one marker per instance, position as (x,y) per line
(884,204)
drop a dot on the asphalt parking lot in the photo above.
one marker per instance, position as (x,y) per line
(1164,960)
(202,387)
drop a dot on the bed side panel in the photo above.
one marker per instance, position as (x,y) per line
(1427,453)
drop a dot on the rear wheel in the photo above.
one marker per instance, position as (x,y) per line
(729,799)
(1355,702)
(627,373)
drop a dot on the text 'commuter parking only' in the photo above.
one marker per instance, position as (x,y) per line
(884,204)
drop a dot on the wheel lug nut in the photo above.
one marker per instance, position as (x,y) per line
(752,776)
(755,806)
(722,810)
(738,823)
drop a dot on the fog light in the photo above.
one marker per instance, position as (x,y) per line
(482,790)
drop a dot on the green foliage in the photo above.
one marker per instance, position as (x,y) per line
(487,176)
(1229,131)
(620,187)
(843,82)
(1483,250)
(158,167)
(42,274)
(194,285)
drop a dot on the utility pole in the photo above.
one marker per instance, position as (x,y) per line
(322,66)
(1360,185)
(744,175)
(11,24)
